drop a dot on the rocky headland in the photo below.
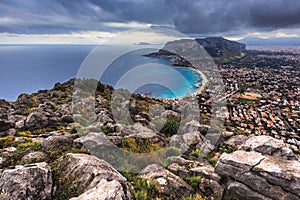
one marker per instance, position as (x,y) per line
(45,153)
(219,49)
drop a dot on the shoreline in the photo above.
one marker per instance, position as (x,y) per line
(203,84)
(194,94)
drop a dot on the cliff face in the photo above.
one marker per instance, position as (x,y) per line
(223,50)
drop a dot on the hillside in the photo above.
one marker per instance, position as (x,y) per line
(220,49)
(47,152)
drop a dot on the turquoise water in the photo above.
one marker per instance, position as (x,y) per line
(155,77)
(29,68)
(158,91)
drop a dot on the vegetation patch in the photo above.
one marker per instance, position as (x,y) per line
(195,197)
(138,145)
(226,149)
(194,182)
(142,189)
(171,126)
(67,186)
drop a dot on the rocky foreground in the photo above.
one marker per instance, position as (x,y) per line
(45,153)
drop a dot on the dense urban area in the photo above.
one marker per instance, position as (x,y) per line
(263,93)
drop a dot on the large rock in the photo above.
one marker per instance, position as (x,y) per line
(105,190)
(40,119)
(58,141)
(210,181)
(269,146)
(235,141)
(36,156)
(105,117)
(272,177)
(26,182)
(211,188)
(140,132)
(90,171)
(241,191)
(5,125)
(185,141)
(171,185)
(44,116)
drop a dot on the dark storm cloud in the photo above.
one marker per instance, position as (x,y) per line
(189,16)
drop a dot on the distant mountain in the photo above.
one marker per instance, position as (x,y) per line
(143,43)
(283,41)
(220,49)
(223,50)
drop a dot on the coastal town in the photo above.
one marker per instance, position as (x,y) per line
(263,95)
(261,89)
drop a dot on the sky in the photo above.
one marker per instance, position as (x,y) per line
(93,21)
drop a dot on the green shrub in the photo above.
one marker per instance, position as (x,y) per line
(194,182)
(139,145)
(24,112)
(35,146)
(145,189)
(171,126)
(105,129)
(194,197)
(7,142)
(195,153)
(226,149)
(67,186)
(23,134)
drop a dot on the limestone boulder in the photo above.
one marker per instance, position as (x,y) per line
(90,171)
(104,190)
(270,176)
(269,146)
(26,182)
(171,185)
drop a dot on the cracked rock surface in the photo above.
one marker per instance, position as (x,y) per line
(260,175)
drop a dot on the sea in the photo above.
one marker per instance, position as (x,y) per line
(29,68)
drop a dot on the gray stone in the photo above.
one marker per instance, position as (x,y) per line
(26,182)
(11,132)
(281,172)
(241,191)
(269,146)
(90,171)
(267,175)
(37,156)
(104,190)
(171,185)
(211,188)
(171,113)
(67,118)
(58,141)
(184,141)
(20,124)
(206,171)
(235,141)
(41,119)
(5,125)
(191,126)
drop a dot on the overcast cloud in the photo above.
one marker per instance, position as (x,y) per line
(231,17)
